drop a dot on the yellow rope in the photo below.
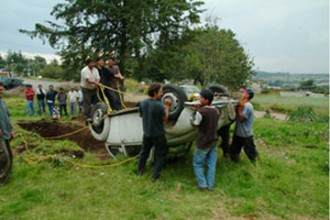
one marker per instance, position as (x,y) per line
(105,98)
(37,159)
(101,166)
(120,97)
(68,134)
(34,159)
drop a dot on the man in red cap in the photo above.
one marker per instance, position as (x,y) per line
(243,133)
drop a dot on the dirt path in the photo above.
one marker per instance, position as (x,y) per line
(275,115)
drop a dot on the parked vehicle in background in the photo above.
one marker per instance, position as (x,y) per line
(191,91)
(8,81)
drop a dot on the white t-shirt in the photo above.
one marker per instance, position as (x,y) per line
(73,96)
(87,73)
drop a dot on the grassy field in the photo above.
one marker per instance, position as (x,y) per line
(290,181)
(281,103)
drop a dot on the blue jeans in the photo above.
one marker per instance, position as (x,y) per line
(29,108)
(51,108)
(210,156)
(41,106)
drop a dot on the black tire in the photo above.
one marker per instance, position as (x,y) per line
(99,113)
(177,96)
(219,90)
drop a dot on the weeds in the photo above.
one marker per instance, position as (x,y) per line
(303,114)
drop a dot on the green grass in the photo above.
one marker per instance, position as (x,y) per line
(290,181)
(285,104)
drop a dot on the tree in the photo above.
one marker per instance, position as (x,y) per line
(53,71)
(307,84)
(215,56)
(120,28)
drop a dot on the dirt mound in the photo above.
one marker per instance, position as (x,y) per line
(51,129)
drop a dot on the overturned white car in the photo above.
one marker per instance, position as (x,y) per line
(122,130)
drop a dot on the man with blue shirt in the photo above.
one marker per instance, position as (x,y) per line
(6,134)
(243,133)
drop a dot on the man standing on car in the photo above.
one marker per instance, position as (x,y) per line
(105,76)
(116,83)
(90,78)
(153,115)
(6,134)
(243,133)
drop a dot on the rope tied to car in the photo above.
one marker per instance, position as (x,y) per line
(101,88)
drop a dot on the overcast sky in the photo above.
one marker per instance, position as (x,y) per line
(281,35)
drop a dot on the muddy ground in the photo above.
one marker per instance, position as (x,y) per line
(55,128)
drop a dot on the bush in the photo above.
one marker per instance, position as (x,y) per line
(303,113)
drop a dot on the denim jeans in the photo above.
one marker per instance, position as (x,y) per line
(41,106)
(29,108)
(51,108)
(73,108)
(210,156)
(63,108)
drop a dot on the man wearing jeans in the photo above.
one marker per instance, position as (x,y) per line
(206,118)
(153,114)
(50,98)
(29,95)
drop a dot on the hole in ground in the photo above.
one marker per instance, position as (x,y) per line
(84,138)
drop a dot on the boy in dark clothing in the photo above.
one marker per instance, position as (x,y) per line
(41,95)
(206,118)
(62,97)
(243,133)
(153,114)
(50,99)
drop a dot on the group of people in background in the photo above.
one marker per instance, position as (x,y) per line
(92,76)
(74,97)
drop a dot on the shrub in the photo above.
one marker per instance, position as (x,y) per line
(303,113)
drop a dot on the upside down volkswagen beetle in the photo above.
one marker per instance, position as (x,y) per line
(122,130)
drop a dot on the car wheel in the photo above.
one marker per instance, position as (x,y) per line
(177,97)
(219,90)
(100,124)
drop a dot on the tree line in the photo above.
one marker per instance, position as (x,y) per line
(150,39)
